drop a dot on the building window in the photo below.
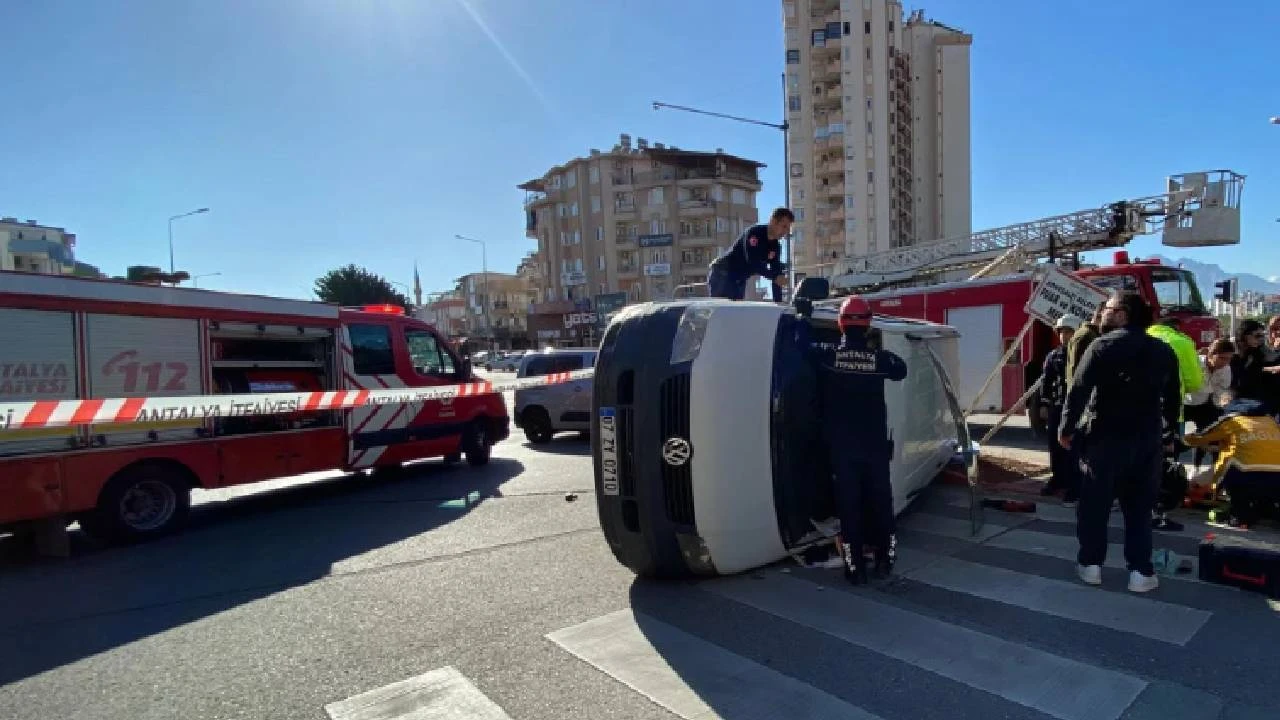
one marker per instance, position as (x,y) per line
(846,28)
(577,264)
(871,177)
(371,349)
(868,53)
(561,209)
(799,211)
(739,196)
(793,103)
(833,30)
(793,82)
(600,262)
(655,196)
(573,210)
(789,9)
(657,227)
(593,174)
(866,28)
(890,26)
(599,234)
(577,237)
(564,238)
(571,179)
(722,225)
(818,38)
(797,170)
(595,203)
(793,57)
(717,193)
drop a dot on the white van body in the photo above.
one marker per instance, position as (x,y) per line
(739,405)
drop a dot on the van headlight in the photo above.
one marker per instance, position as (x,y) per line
(688,340)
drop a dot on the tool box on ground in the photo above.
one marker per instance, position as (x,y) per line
(1242,563)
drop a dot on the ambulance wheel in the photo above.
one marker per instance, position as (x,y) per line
(475,444)
(537,426)
(140,503)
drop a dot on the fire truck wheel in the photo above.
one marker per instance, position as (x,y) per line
(1038,426)
(537,426)
(139,503)
(475,443)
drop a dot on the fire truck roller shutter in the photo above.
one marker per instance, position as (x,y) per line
(981,347)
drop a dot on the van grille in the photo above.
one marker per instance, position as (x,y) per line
(626,452)
(677,482)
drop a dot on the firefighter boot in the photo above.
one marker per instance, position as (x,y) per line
(854,572)
(886,557)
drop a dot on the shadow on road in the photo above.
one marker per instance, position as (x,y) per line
(566,444)
(234,551)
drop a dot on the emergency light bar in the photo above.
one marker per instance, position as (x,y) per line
(387,309)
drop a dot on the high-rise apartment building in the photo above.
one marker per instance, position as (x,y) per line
(637,220)
(878,106)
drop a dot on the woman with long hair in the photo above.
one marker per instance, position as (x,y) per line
(1254,368)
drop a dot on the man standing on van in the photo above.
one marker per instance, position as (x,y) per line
(855,425)
(757,251)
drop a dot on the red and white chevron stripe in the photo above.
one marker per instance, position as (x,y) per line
(62,413)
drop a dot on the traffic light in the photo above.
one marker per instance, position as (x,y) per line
(1226,290)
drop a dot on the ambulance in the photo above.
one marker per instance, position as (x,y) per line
(706,447)
(72,338)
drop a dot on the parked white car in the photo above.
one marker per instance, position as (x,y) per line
(544,411)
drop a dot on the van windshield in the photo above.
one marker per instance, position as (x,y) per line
(1176,290)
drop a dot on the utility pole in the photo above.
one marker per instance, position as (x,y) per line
(786,160)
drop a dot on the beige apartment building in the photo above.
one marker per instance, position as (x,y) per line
(496,308)
(878,106)
(637,221)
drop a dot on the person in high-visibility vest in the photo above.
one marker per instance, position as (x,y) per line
(1190,375)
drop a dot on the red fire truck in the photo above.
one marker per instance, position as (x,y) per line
(933,281)
(71,338)
(989,314)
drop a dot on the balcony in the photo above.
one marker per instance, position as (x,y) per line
(834,190)
(624,209)
(629,239)
(622,179)
(537,198)
(830,167)
(656,177)
(695,176)
(630,269)
(698,238)
(826,71)
(697,206)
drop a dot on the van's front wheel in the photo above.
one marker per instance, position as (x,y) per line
(476,445)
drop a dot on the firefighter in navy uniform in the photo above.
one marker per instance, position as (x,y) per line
(757,251)
(856,430)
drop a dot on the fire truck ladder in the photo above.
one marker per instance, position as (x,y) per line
(1199,209)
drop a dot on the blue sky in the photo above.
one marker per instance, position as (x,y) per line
(323,132)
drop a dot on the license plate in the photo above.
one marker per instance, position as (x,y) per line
(609,450)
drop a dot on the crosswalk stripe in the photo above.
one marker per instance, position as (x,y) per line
(693,678)
(1057,686)
(1050,512)
(1072,600)
(443,693)
(948,527)
(1066,547)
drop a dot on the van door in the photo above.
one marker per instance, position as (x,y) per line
(438,425)
(578,415)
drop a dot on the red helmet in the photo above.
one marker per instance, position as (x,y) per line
(854,312)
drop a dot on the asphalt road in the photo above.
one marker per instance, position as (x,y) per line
(282,600)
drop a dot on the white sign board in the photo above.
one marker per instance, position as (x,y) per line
(1061,293)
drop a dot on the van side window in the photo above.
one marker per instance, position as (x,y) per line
(428,357)
(553,364)
(371,350)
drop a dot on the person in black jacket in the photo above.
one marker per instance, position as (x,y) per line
(1053,394)
(1254,366)
(1123,404)
(855,426)
(758,251)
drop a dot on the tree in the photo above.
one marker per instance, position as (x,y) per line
(353,286)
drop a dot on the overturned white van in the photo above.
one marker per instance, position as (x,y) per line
(707,453)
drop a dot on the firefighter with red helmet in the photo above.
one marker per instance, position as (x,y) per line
(855,425)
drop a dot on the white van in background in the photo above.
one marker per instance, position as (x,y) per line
(706,446)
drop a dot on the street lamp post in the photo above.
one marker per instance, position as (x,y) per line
(786,160)
(178,217)
(195,279)
(484,273)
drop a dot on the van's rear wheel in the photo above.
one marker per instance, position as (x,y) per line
(537,426)
(140,503)
(476,445)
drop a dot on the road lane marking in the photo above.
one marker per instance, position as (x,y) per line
(1057,686)
(445,694)
(693,678)
(1071,600)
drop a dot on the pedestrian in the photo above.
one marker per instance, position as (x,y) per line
(1053,393)
(1248,467)
(1190,376)
(1122,409)
(1080,341)
(1204,406)
(855,425)
(756,252)
(1254,366)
